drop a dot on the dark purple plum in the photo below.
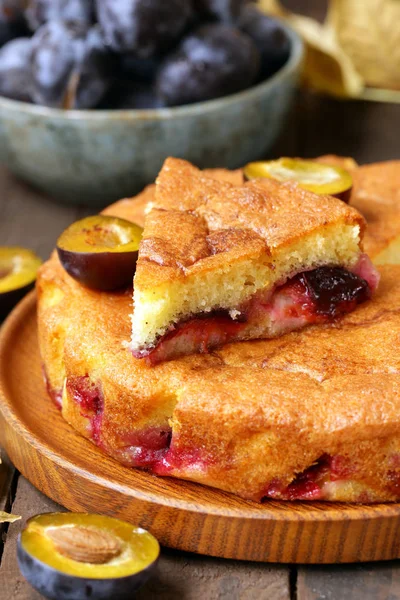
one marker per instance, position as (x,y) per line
(15,72)
(226,11)
(334,289)
(133,68)
(131,95)
(71,67)
(39,12)
(12,22)
(72,556)
(268,35)
(100,251)
(18,270)
(213,61)
(143,27)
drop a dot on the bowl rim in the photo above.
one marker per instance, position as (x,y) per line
(168,113)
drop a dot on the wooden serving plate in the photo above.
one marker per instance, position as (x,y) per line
(184,515)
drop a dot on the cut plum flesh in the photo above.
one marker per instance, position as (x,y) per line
(320,178)
(311,297)
(309,484)
(89,398)
(147,448)
(153,448)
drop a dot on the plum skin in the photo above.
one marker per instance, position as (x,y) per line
(344,196)
(70,66)
(15,77)
(103,271)
(226,11)
(212,61)
(55,585)
(39,12)
(12,24)
(269,37)
(145,28)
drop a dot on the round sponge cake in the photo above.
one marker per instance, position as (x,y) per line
(311,415)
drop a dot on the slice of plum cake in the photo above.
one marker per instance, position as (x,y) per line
(221,262)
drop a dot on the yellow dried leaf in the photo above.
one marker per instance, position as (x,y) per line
(326,68)
(7,517)
(272,7)
(369,33)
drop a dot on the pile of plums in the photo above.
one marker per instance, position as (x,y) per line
(134,53)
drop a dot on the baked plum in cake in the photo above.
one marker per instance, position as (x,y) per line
(221,263)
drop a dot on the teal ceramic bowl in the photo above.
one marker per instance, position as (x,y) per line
(95,157)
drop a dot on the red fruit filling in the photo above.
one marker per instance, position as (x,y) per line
(199,334)
(308,484)
(146,448)
(331,291)
(316,296)
(89,397)
(180,458)
(153,449)
(393,478)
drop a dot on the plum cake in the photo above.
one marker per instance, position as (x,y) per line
(220,263)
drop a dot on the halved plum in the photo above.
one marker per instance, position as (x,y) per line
(313,176)
(100,251)
(76,556)
(18,270)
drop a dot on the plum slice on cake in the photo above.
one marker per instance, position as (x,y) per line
(221,263)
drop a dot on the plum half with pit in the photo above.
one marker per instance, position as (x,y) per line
(78,556)
(100,251)
(18,270)
(71,68)
(39,12)
(215,60)
(268,35)
(143,27)
(15,73)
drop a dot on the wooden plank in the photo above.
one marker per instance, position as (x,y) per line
(8,476)
(30,219)
(380,581)
(179,575)
(28,502)
(199,578)
(367,131)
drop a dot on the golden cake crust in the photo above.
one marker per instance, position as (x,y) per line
(376,195)
(134,209)
(220,223)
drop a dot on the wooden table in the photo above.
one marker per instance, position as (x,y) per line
(369,132)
